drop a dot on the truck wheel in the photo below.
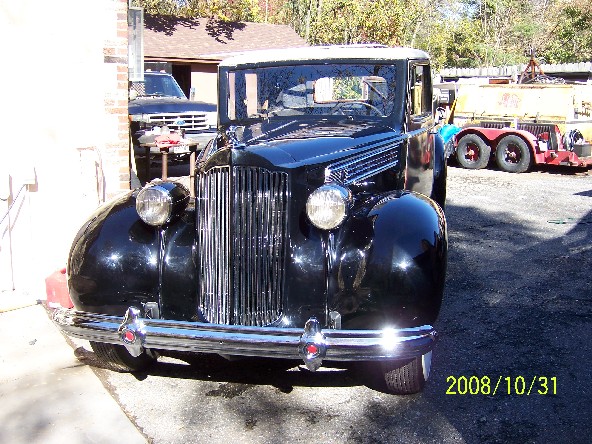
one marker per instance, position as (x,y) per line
(117,358)
(409,378)
(472,152)
(512,154)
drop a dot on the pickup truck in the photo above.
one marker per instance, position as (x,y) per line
(158,104)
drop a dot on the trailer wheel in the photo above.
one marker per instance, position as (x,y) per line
(472,152)
(513,155)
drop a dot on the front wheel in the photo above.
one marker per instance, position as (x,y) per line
(409,378)
(472,152)
(512,154)
(116,357)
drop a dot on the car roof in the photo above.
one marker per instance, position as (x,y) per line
(324,53)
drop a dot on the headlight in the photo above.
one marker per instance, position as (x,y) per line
(158,204)
(327,206)
(143,118)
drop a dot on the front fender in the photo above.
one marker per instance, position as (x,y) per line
(390,269)
(117,261)
(113,262)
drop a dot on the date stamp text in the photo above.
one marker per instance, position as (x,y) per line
(499,385)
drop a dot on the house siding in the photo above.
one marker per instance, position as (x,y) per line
(68,120)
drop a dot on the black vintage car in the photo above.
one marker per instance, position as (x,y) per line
(315,229)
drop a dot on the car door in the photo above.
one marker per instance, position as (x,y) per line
(419,123)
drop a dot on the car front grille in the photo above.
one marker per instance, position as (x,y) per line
(190,122)
(242,225)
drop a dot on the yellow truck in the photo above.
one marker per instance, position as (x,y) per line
(520,125)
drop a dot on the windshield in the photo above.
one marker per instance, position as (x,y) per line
(356,90)
(158,85)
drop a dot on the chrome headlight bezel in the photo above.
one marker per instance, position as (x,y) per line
(159,204)
(328,206)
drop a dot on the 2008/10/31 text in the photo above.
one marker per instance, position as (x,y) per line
(509,385)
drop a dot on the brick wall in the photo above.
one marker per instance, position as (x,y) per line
(116,156)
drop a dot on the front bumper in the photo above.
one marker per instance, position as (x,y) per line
(311,344)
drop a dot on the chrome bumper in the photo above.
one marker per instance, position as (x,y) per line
(311,344)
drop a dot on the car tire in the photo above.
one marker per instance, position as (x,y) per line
(513,155)
(409,378)
(116,357)
(472,152)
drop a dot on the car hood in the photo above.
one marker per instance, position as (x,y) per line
(310,142)
(154,105)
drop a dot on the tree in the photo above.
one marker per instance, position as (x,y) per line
(351,21)
(221,10)
(570,37)
(456,33)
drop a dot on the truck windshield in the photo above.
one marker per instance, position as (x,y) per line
(158,85)
(355,90)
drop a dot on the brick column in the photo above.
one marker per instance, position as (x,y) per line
(116,155)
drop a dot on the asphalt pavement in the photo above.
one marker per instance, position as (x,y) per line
(47,395)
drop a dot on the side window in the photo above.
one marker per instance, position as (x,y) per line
(421,89)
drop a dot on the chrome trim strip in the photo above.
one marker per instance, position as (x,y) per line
(365,165)
(160,334)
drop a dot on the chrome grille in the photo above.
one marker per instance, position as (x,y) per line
(188,121)
(241,234)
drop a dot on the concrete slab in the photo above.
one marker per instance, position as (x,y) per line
(46,395)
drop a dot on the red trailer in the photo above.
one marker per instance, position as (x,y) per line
(523,125)
(516,149)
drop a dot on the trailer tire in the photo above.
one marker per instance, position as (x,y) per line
(472,152)
(513,155)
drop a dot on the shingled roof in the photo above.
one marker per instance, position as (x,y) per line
(201,39)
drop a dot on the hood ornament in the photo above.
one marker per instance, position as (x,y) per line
(232,138)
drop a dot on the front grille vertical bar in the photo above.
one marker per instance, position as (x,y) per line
(265,256)
(213,235)
(261,309)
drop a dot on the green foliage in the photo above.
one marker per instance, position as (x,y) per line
(222,10)
(571,38)
(347,88)
(355,21)
(457,33)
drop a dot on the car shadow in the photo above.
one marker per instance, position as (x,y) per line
(283,374)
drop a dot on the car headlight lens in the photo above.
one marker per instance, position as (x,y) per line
(157,204)
(154,205)
(327,206)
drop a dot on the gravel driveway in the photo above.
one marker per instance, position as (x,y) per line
(515,324)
